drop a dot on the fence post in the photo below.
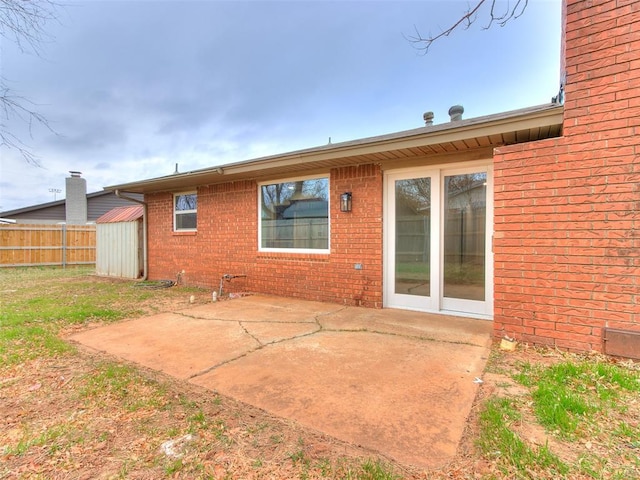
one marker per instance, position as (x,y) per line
(64,245)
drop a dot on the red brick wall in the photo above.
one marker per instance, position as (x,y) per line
(227,242)
(567,210)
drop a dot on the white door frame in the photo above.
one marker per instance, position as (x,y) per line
(436,302)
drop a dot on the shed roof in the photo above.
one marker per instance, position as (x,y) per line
(480,134)
(122,214)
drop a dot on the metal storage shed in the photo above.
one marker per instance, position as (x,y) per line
(119,244)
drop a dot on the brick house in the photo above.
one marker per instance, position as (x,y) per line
(527,218)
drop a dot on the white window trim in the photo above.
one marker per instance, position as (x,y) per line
(175,212)
(316,251)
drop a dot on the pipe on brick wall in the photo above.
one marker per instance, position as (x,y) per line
(145,255)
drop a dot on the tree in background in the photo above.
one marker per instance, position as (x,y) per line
(23,22)
(500,13)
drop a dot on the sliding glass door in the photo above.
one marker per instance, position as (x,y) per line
(437,239)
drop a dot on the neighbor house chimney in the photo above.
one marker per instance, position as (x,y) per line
(428,118)
(76,199)
(456,112)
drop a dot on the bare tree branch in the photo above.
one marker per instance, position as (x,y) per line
(13,106)
(23,22)
(511,12)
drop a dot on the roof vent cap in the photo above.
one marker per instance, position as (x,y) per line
(456,112)
(428,118)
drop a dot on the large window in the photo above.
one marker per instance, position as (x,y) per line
(185,208)
(294,215)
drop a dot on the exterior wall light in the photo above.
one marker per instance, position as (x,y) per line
(345,202)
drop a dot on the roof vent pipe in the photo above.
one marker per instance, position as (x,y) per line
(456,112)
(428,118)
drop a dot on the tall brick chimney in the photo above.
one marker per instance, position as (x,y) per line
(76,199)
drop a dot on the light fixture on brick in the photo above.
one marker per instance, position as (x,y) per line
(345,202)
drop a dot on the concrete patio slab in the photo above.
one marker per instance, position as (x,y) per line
(398,383)
(404,397)
(172,343)
(268,332)
(264,309)
(443,328)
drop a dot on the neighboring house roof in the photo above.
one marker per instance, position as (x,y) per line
(481,133)
(122,214)
(307,208)
(98,203)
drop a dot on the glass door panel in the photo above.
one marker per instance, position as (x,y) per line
(464,236)
(437,225)
(413,237)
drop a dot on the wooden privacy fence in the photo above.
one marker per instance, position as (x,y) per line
(25,245)
(295,233)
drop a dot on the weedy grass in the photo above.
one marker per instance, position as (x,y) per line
(498,440)
(581,404)
(111,381)
(36,305)
(568,395)
(372,470)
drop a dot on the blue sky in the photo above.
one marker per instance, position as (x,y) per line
(132,88)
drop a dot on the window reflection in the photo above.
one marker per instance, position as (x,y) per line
(295,215)
(413,236)
(465,213)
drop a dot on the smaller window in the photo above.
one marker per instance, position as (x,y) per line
(185,210)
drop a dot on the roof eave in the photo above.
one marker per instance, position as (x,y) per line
(534,117)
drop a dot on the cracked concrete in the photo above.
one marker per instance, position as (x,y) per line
(399,383)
